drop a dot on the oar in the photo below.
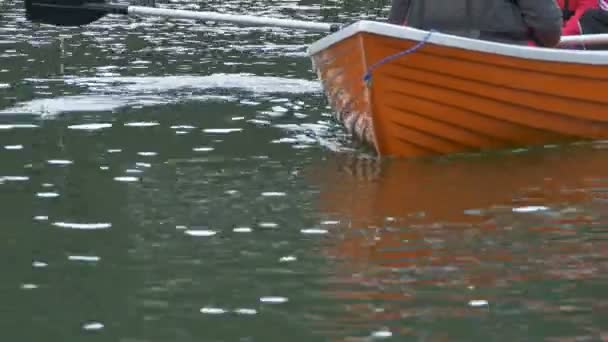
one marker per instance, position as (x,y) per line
(584,40)
(83,12)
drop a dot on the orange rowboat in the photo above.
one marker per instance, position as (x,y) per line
(415,93)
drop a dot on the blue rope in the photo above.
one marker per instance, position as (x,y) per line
(368,75)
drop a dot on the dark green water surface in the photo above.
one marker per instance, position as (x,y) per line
(167,181)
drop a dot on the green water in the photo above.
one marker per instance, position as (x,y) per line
(170,181)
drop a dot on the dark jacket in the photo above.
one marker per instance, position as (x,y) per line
(515,21)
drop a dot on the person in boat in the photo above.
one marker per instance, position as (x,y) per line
(507,21)
(572,11)
(595,21)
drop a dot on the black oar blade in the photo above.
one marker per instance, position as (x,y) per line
(62,12)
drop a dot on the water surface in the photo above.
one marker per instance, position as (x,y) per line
(172,181)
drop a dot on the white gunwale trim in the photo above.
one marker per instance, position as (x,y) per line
(401,32)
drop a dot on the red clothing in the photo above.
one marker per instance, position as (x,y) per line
(571,27)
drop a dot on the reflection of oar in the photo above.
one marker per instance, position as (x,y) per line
(585,40)
(82,12)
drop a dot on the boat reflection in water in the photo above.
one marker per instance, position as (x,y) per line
(428,248)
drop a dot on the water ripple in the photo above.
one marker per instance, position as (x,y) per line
(91,126)
(83,226)
(84,258)
(113,93)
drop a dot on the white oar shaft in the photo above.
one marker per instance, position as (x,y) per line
(585,39)
(232,18)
